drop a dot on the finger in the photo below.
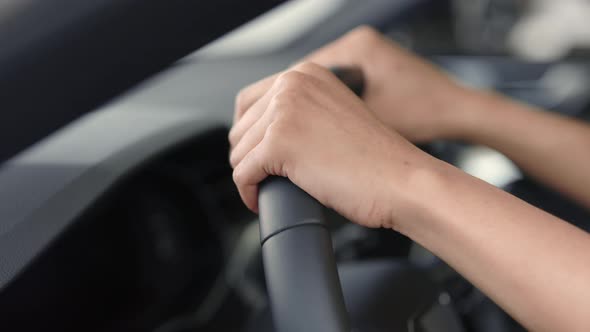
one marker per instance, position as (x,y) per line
(255,112)
(321,76)
(248,173)
(249,95)
(259,107)
(250,139)
(253,100)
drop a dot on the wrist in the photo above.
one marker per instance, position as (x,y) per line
(416,199)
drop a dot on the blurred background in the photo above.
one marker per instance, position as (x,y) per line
(536,30)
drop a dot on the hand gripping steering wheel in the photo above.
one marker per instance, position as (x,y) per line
(301,275)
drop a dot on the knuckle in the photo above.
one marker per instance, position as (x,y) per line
(312,71)
(284,104)
(281,134)
(240,173)
(277,150)
(365,34)
(275,139)
(308,66)
(292,79)
(240,100)
(232,137)
(237,176)
(233,159)
(285,99)
(272,135)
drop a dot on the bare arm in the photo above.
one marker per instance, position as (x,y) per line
(534,265)
(550,147)
(531,263)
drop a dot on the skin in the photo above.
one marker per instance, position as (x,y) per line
(355,156)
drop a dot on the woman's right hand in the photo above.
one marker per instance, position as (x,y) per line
(404,91)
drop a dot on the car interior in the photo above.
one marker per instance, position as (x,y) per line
(118,211)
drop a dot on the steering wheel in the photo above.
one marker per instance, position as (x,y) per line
(299,265)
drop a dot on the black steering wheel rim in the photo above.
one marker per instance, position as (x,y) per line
(300,268)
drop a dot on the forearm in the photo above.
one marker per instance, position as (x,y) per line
(531,263)
(552,148)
